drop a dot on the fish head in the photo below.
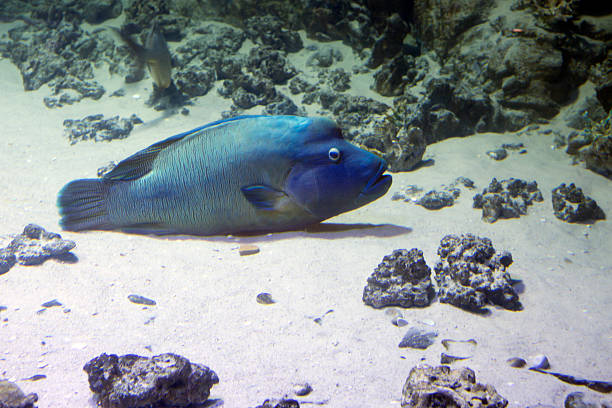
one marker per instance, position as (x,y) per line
(329,175)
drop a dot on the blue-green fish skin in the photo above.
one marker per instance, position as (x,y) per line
(241,175)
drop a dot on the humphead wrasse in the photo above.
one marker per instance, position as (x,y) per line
(241,175)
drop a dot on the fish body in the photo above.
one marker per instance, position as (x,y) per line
(155,54)
(245,174)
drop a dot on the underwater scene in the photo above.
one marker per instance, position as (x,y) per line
(309,203)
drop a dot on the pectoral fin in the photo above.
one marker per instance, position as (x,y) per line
(265,198)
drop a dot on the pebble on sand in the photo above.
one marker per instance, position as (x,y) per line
(141,300)
(248,249)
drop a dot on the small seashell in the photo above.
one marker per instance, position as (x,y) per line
(248,249)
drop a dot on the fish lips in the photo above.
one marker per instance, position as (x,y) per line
(377,186)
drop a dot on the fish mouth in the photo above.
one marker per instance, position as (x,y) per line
(378,185)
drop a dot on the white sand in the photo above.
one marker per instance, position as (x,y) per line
(205,291)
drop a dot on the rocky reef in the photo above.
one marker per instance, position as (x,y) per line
(471,274)
(452,69)
(134,381)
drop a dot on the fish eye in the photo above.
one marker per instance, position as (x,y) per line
(334,154)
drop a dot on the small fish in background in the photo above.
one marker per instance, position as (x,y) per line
(154,54)
(240,175)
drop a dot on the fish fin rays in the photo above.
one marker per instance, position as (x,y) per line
(270,200)
(140,163)
(82,205)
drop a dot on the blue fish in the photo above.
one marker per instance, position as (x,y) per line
(241,175)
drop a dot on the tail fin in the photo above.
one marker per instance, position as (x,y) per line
(82,205)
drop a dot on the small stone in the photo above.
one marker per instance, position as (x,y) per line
(393,312)
(51,303)
(141,300)
(458,349)
(399,321)
(418,338)
(497,154)
(516,362)
(265,299)
(248,249)
(539,361)
(302,389)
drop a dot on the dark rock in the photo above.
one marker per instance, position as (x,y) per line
(324,58)
(144,12)
(279,403)
(571,205)
(60,56)
(507,199)
(498,154)
(390,41)
(470,274)
(578,399)
(265,299)
(11,396)
(134,381)
(298,85)
(441,386)
(418,338)
(141,300)
(435,200)
(35,245)
(283,107)
(95,127)
(52,303)
(269,30)
(99,11)
(339,80)
(516,362)
(194,80)
(440,24)
(7,260)
(401,279)
(271,64)
(392,77)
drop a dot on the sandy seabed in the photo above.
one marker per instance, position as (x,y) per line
(205,291)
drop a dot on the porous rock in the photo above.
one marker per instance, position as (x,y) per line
(131,381)
(401,279)
(279,403)
(470,274)
(435,200)
(441,386)
(35,245)
(11,396)
(571,205)
(507,199)
(97,128)
(269,30)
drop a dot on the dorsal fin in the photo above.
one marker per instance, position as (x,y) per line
(140,163)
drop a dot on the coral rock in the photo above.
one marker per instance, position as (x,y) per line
(571,205)
(440,386)
(471,274)
(401,279)
(134,381)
